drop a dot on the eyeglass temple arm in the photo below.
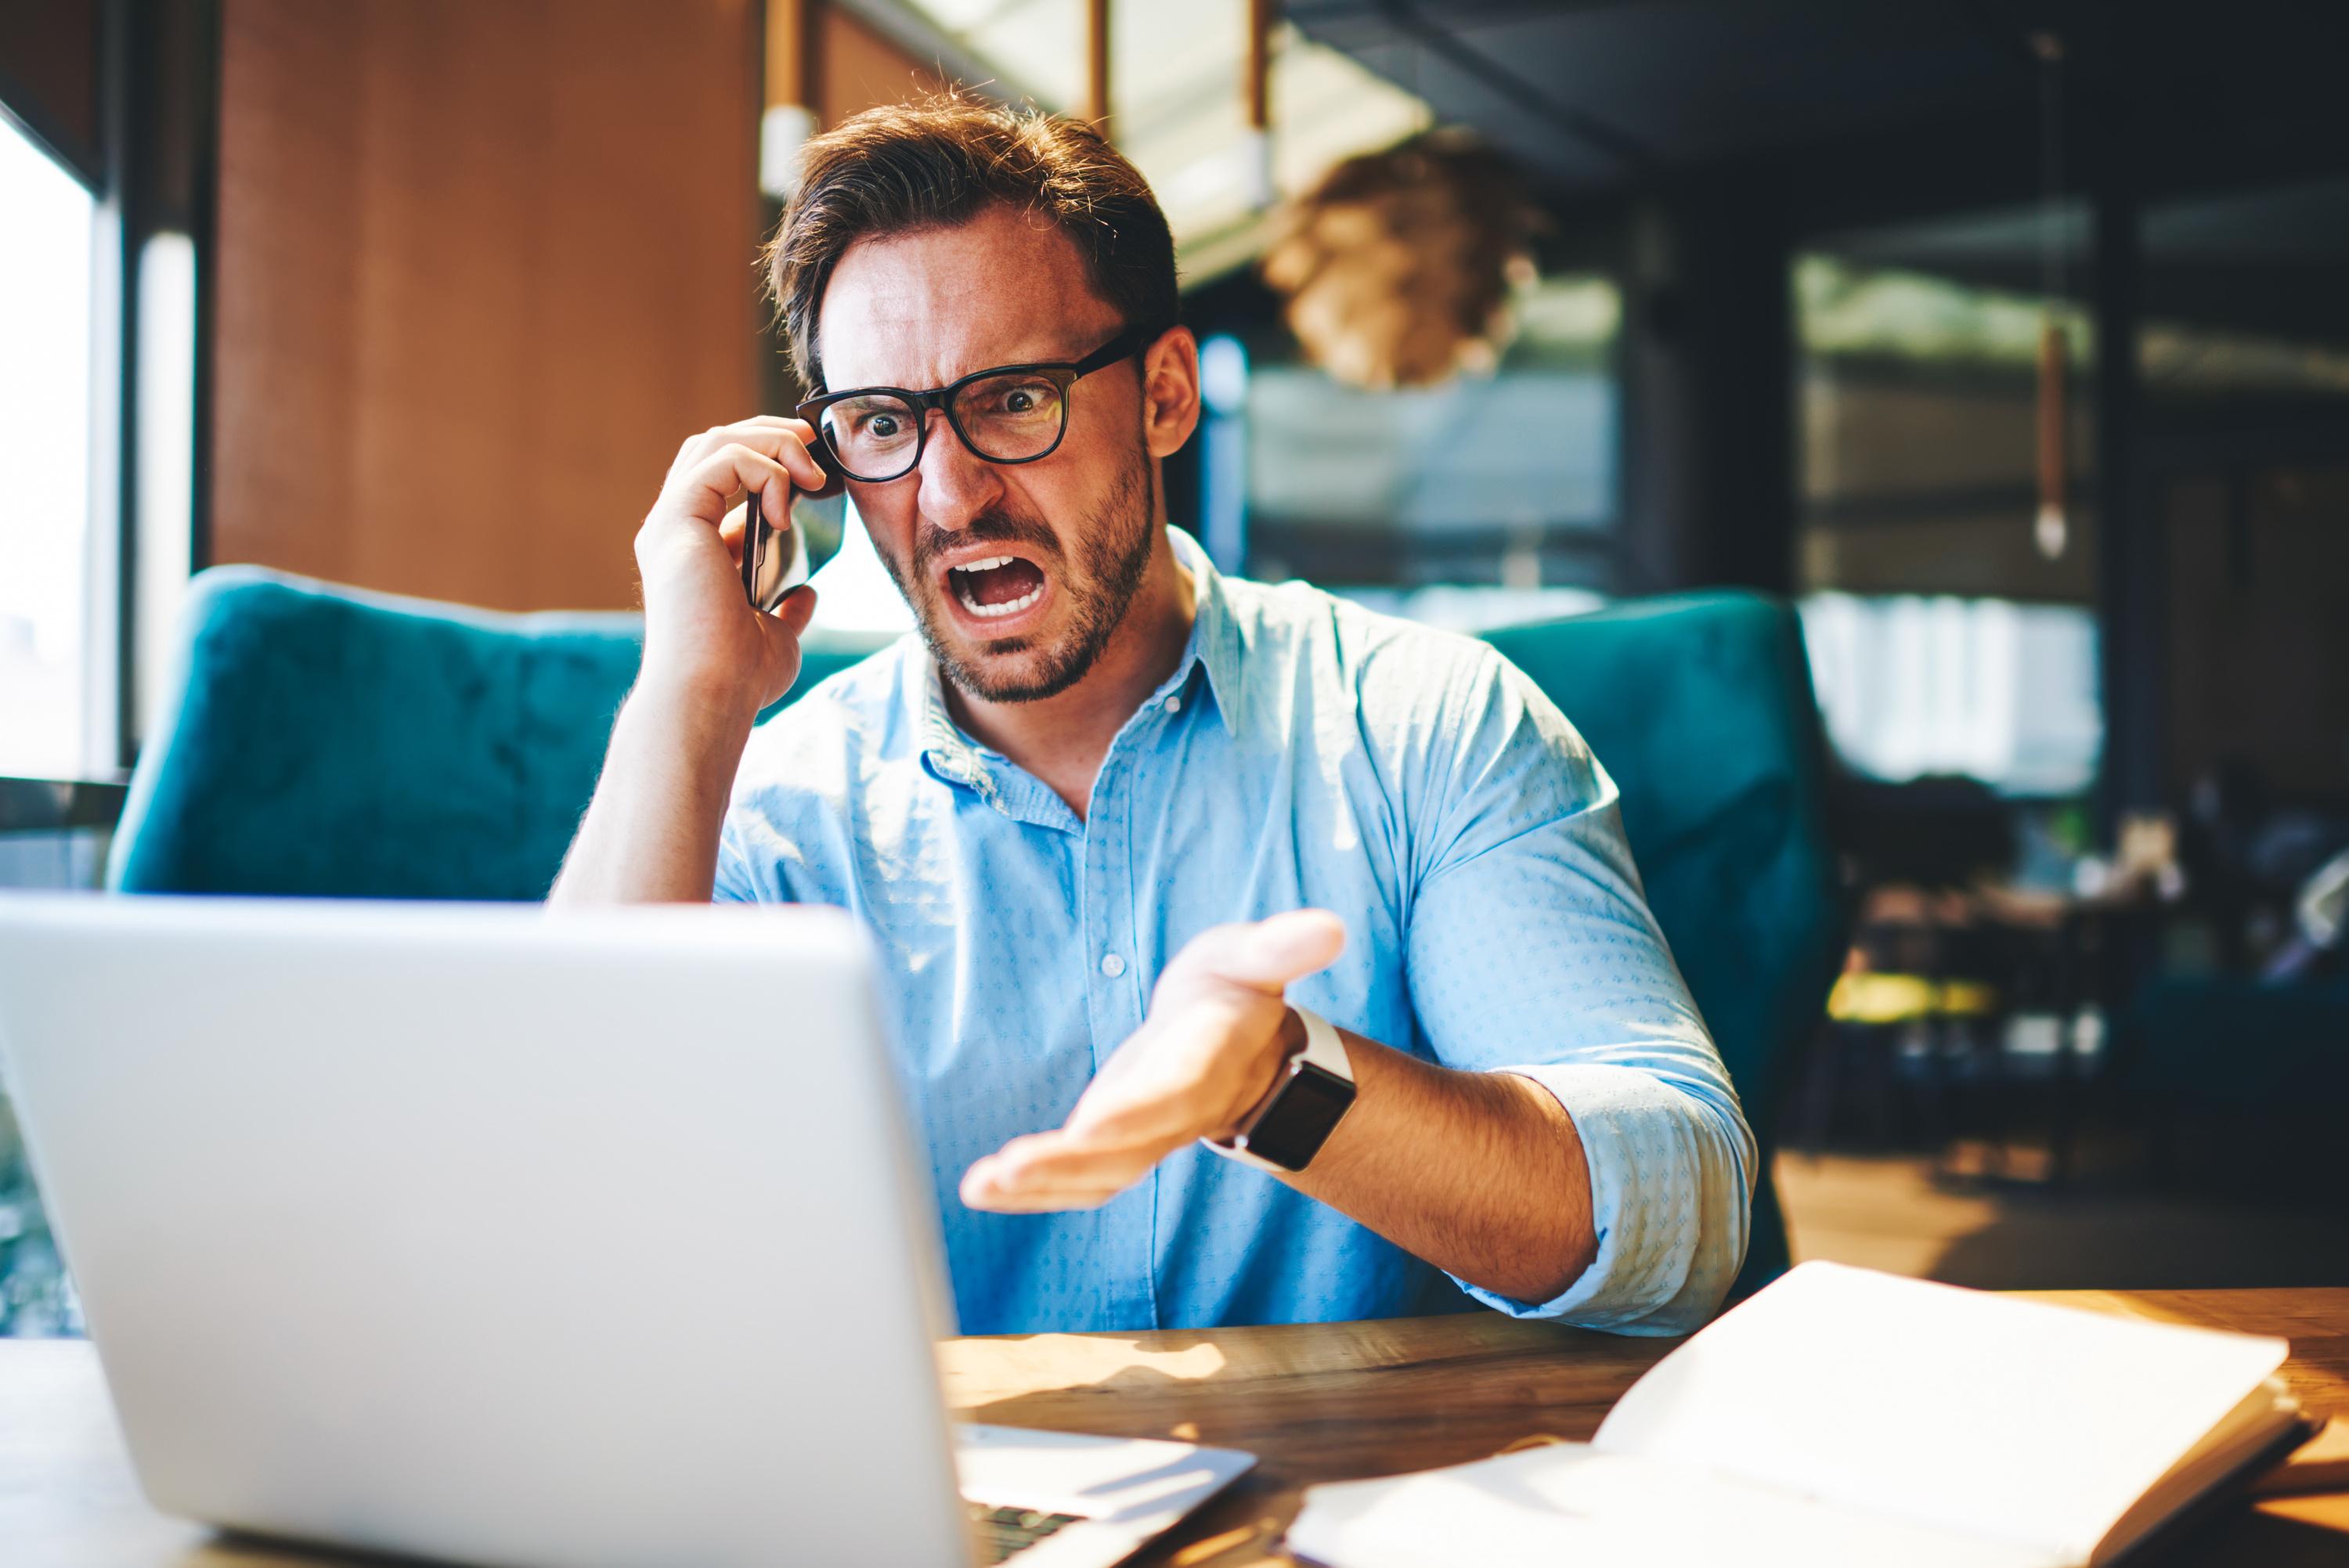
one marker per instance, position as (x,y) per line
(1132,340)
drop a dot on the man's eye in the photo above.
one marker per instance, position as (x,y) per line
(1017,399)
(868,423)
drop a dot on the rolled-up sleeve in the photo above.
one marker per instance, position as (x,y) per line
(733,882)
(1532,950)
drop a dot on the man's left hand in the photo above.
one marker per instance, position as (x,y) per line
(1210,1049)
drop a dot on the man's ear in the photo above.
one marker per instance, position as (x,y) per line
(1170,391)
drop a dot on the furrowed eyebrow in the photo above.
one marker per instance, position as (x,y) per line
(1076,356)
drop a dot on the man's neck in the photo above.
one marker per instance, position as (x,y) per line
(1061,739)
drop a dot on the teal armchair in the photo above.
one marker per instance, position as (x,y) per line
(333,743)
(1700,706)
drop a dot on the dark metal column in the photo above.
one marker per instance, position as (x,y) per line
(2132,550)
(1708,376)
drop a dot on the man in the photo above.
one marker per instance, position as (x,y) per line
(1128,831)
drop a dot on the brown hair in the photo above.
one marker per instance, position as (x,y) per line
(937,163)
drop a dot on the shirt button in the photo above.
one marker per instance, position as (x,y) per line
(1174,705)
(1112,965)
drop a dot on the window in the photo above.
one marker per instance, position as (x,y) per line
(1918,428)
(1911,684)
(1947,633)
(57,718)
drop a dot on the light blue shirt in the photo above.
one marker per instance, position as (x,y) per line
(1306,752)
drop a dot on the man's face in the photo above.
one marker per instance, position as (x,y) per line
(1019,574)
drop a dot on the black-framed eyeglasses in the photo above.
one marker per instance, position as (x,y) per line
(1008,414)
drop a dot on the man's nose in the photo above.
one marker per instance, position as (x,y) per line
(955,485)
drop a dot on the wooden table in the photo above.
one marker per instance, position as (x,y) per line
(1319,1403)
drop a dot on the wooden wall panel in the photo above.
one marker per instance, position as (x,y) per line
(49,75)
(482,266)
(861,69)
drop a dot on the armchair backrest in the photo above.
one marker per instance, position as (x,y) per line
(1700,706)
(333,743)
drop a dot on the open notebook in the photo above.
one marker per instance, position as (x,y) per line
(1847,1416)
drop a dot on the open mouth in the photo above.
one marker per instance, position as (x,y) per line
(995,587)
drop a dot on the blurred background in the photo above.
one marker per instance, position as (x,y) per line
(2009,342)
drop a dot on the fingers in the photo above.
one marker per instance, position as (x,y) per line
(782,440)
(1196,1067)
(1054,1170)
(1118,1130)
(1265,954)
(768,454)
(704,488)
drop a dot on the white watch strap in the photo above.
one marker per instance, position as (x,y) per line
(1324,1049)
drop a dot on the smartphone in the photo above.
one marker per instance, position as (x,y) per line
(774,564)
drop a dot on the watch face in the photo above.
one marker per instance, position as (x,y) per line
(1293,1128)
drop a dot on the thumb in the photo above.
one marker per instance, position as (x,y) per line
(1266,954)
(796,610)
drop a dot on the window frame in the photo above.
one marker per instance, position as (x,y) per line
(158,75)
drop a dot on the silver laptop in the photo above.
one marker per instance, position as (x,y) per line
(517,1236)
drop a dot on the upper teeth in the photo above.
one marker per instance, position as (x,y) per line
(1010,607)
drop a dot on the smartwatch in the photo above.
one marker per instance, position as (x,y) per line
(1315,1091)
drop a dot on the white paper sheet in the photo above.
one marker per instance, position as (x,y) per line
(1574,1507)
(2017,1420)
(1840,1416)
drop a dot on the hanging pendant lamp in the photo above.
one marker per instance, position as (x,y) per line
(1400,267)
(2051,528)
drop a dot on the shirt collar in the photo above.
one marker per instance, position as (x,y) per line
(946,751)
(1214,645)
(1214,637)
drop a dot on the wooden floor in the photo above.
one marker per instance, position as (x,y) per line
(1891,1212)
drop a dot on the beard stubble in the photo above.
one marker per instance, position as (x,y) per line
(1111,555)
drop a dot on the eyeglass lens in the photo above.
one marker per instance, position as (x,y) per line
(1009,419)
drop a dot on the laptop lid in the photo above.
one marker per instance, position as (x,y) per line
(494,1232)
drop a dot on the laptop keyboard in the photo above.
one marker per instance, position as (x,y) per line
(1005,1532)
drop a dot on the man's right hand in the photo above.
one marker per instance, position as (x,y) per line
(703,642)
(712,663)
